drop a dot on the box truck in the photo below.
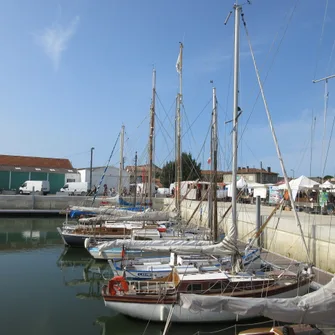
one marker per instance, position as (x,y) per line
(38,185)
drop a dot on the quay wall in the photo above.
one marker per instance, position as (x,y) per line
(281,236)
(58,202)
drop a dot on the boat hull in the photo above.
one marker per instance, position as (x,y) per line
(159,312)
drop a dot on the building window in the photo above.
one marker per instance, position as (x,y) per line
(70,180)
(37,169)
(70,170)
(17,168)
(52,170)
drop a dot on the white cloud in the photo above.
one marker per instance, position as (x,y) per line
(55,39)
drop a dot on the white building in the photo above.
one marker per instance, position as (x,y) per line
(111,178)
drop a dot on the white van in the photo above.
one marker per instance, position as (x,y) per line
(38,185)
(75,188)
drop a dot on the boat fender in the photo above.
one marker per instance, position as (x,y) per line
(87,242)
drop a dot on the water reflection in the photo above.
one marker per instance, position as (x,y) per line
(28,233)
(90,273)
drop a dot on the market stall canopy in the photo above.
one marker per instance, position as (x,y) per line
(300,183)
(327,184)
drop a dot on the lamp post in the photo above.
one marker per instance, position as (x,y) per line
(91,168)
(292,173)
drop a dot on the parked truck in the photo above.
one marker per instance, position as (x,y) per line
(29,186)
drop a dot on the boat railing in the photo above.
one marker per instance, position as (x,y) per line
(152,287)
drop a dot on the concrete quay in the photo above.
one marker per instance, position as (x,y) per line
(53,204)
(282,235)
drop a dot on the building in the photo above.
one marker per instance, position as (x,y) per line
(143,173)
(253,175)
(15,170)
(111,177)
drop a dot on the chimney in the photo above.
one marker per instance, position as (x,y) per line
(269,169)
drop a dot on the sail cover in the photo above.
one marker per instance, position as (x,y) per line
(180,246)
(117,216)
(314,308)
(152,244)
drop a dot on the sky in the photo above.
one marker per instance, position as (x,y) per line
(73,72)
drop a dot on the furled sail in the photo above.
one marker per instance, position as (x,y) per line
(313,308)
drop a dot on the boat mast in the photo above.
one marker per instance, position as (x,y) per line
(135,177)
(215,166)
(324,121)
(151,135)
(121,160)
(212,200)
(235,121)
(179,67)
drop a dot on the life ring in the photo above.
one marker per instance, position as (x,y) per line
(119,284)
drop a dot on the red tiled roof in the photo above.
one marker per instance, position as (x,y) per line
(26,161)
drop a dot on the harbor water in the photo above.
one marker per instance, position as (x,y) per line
(46,288)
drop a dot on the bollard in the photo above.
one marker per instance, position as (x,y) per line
(33,202)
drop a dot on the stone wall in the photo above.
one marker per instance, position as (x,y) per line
(282,234)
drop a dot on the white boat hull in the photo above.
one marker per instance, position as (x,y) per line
(159,312)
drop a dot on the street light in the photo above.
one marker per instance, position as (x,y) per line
(292,173)
(91,168)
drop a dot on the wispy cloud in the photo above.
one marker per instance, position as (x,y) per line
(55,39)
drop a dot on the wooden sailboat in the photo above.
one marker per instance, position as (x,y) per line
(159,300)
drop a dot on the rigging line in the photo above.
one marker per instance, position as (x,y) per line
(161,124)
(103,175)
(321,38)
(271,64)
(275,139)
(166,113)
(209,101)
(330,57)
(331,134)
(188,123)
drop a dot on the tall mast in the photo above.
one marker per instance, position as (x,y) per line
(215,166)
(121,160)
(235,116)
(324,120)
(151,135)
(135,177)
(179,67)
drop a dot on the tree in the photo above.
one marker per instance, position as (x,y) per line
(327,177)
(191,170)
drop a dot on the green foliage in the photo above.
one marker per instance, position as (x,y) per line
(191,170)
(327,177)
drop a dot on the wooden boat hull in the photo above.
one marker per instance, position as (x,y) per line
(156,309)
(78,240)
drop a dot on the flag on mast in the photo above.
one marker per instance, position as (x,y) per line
(179,61)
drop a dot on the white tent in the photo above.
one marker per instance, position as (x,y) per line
(327,184)
(301,183)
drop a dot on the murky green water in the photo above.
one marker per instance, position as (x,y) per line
(48,289)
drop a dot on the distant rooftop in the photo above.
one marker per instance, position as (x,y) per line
(35,162)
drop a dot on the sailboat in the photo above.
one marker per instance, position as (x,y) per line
(160,300)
